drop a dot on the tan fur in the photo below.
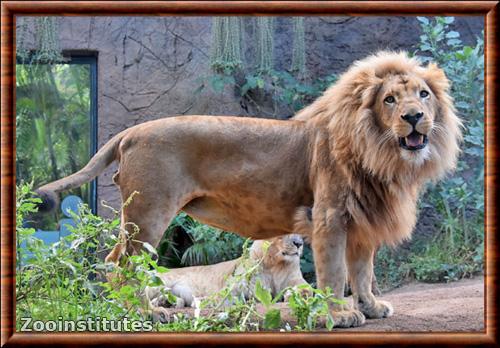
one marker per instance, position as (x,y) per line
(279,269)
(340,155)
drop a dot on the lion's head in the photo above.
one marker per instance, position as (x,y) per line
(281,251)
(392,117)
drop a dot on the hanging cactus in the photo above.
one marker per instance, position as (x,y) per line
(47,40)
(298,51)
(22,52)
(226,44)
(265,44)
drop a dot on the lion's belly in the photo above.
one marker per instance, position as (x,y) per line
(244,217)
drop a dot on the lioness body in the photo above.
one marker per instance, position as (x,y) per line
(359,155)
(277,268)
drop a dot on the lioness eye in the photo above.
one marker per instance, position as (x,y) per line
(389,100)
(424,94)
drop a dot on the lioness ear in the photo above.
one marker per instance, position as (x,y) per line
(436,79)
(256,250)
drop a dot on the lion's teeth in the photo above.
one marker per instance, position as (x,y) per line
(421,139)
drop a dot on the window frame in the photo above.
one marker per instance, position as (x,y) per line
(91,60)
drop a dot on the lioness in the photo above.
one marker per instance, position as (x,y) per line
(359,155)
(279,268)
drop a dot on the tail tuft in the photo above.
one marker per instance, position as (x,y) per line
(50,200)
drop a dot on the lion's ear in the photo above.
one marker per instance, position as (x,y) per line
(366,86)
(436,79)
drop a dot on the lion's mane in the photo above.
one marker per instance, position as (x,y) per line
(383,187)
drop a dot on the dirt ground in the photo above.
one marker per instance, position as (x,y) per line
(420,307)
(457,306)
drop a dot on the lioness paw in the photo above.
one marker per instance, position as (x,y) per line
(160,314)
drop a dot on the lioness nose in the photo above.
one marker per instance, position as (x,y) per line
(297,241)
(412,119)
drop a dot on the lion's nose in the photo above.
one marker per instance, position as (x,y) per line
(412,119)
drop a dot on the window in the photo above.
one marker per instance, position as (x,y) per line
(56,122)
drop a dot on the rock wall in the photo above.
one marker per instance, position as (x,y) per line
(150,67)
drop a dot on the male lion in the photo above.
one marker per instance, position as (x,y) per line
(279,268)
(359,155)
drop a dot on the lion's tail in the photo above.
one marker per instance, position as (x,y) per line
(303,223)
(103,158)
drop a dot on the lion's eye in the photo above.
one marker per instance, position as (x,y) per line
(389,100)
(424,94)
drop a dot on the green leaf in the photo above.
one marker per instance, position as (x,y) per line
(251,81)
(425,47)
(156,281)
(272,319)
(423,20)
(161,269)
(448,20)
(244,89)
(263,295)
(468,51)
(452,35)
(453,42)
(149,248)
(329,322)
(260,83)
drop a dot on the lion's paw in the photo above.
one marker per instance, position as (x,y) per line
(377,310)
(351,318)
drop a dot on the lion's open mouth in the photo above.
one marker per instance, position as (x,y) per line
(414,141)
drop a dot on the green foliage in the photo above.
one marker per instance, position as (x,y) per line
(287,90)
(65,279)
(308,309)
(272,317)
(53,131)
(210,245)
(307,265)
(255,83)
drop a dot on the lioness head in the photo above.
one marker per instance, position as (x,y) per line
(281,250)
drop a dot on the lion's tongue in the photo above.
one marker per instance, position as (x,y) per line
(414,139)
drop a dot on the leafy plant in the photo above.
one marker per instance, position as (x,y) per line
(309,309)
(52,125)
(272,317)
(209,245)
(65,279)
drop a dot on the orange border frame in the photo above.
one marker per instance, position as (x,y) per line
(9,9)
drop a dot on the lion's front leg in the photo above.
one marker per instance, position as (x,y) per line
(360,265)
(329,249)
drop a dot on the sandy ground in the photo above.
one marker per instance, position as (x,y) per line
(420,307)
(457,306)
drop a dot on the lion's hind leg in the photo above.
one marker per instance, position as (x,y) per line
(360,265)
